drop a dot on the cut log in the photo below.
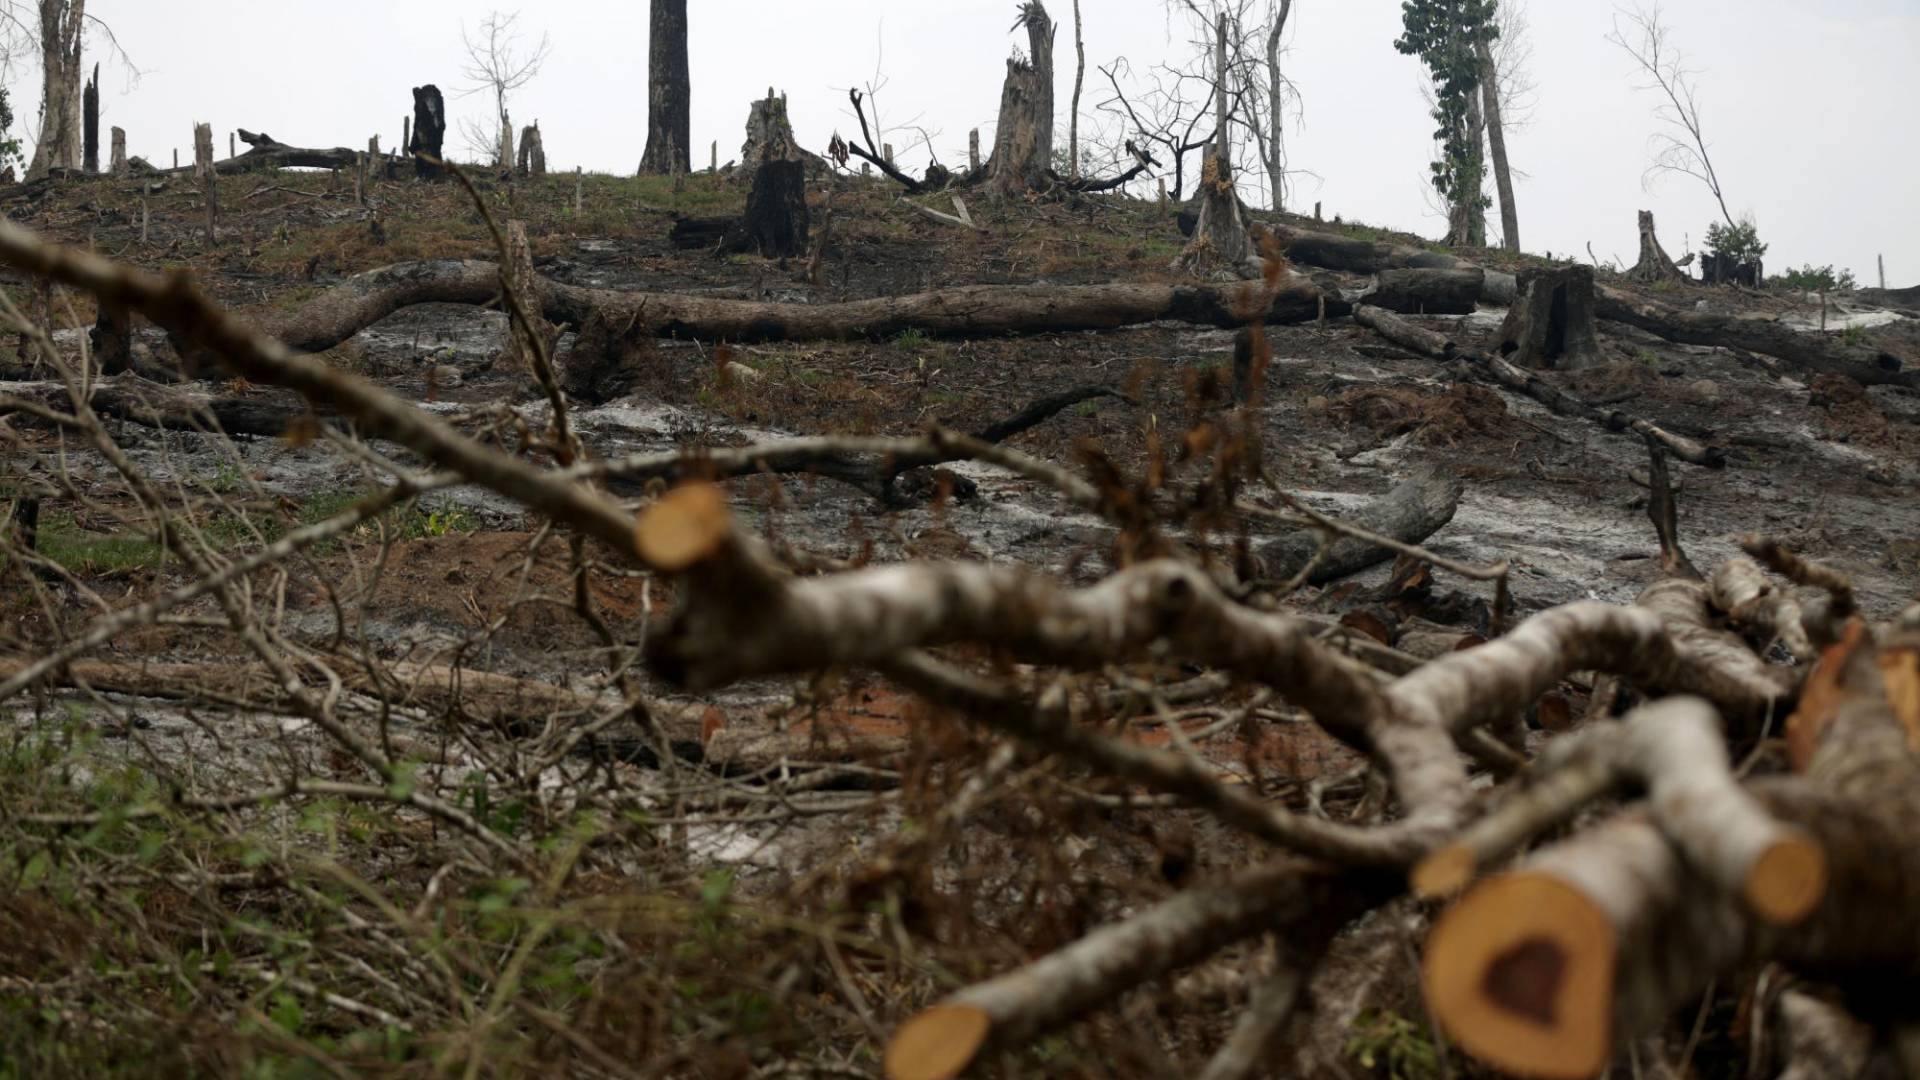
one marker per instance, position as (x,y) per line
(1331,251)
(776,223)
(1413,510)
(689,233)
(1427,292)
(1544,971)
(1401,332)
(136,400)
(1023,139)
(1863,364)
(429,132)
(967,311)
(1654,264)
(1551,324)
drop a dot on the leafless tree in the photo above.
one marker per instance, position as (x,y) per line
(1274,151)
(1079,80)
(497,65)
(55,29)
(1680,146)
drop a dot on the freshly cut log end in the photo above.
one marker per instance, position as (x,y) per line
(1788,881)
(937,1044)
(687,526)
(1520,972)
(1444,873)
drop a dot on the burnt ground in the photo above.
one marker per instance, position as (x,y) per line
(1828,469)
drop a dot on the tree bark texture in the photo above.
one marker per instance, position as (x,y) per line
(62,25)
(1410,512)
(429,131)
(119,159)
(533,153)
(348,308)
(1427,291)
(1497,144)
(769,135)
(1276,114)
(1023,141)
(209,178)
(669,90)
(776,221)
(1079,79)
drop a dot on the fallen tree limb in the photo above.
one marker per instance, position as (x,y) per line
(970,311)
(1331,251)
(137,400)
(1812,351)
(1297,900)
(1413,510)
(1502,373)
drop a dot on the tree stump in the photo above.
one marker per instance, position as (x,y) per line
(119,159)
(533,153)
(1654,264)
(91,122)
(776,221)
(112,339)
(1220,236)
(1550,324)
(769,135)
(608,356)
(429,131)
(209,178)
(1023,140)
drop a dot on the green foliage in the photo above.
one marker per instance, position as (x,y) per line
(1390,1045)
(1811,278)
(9,142)
(914,338)
(1740,243)
(1446,35)
(1854,335)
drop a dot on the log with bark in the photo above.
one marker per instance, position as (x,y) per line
(975,310)
(1816,352)
(1332,251)
(1410,512)
(1503,373)
(1427,291)
(134,399)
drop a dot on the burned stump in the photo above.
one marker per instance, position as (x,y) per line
(1654,264)
(429,131)
(776,222)
(607,357)
(1550,325)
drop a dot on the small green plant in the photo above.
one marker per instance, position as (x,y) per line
(1391,1046)
(1740,243)
(1811,278)
(914,338)
(1646,357)
(1854,335)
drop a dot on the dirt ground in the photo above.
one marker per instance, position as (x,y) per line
(1826,467)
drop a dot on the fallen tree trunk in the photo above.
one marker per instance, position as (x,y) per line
(1415,509)
(1401,332)
(1813,351)
(1427,292)
(967,311)
(1331,251)
(136,400)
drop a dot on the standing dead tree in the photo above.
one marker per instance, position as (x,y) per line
(62,26)
(497,66)
(1273,145)
(1221,238)
(669,91)
(1023,140)
(429,132)
(91,124)
(1681,144)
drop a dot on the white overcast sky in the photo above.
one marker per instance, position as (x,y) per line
(1810,107)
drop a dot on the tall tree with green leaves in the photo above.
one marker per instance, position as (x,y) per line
(1447,35)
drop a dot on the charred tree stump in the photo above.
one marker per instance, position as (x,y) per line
(607,357)
(769,135)
(1023,140)
(90,123)
(1654,264)
(1429,292)
(533,153)
(119,159)
(112,339)
(689,233)
(1551,324)
(1725,270)
(209,178)
(776,221)
(429,132)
